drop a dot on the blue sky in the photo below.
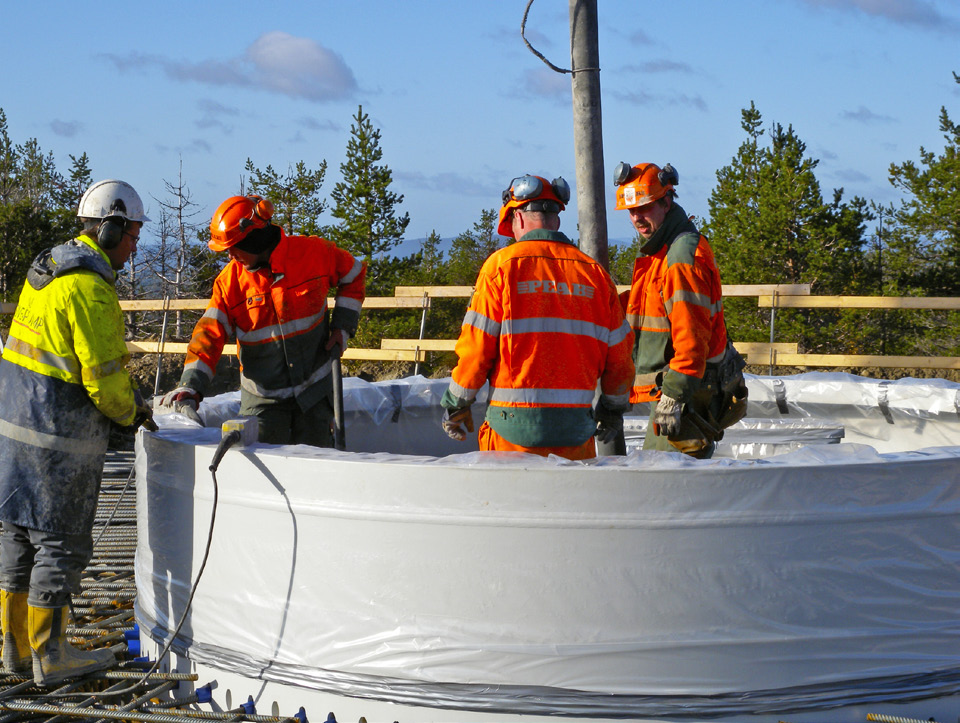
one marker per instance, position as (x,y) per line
(463,106)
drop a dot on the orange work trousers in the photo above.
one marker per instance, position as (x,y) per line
(490,441)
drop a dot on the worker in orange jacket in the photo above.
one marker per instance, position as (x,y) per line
(272,296)
(675,309)
(544,326)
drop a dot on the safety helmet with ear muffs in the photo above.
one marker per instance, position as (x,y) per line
(115,203)
(642,184)
(235,218)
(110,232)
(535,193)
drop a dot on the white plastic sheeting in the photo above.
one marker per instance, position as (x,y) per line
(648,586)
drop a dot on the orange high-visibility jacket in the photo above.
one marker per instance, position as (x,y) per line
(675,309)
(279,318)
(544,325)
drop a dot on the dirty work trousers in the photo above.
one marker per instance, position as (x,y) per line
(46,565)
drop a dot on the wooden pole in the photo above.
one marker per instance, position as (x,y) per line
(587,129)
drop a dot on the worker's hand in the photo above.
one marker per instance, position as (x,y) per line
(666,420)
(609,422)
(143,416)
(182,395)
(452,419)
(337,342)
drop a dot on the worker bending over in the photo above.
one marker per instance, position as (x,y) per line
(272,296)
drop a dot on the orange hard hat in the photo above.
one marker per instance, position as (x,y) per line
(525,190)
(235,218)
(643,183)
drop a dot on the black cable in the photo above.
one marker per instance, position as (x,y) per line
(230,439)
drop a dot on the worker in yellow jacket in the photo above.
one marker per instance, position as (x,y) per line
(544,326)
(62,383)
(684,363)
(272,297)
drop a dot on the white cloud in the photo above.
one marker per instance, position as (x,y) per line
(276,62)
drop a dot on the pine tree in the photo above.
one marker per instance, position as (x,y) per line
(770,224)
(923,243)
(363,201)
(295,196)
(471,248)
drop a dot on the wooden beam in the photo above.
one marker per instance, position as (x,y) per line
(765,347)
(371,302)
(436,292)
(170,347)
(865,360)
(752,289)
(860,302)
(423,344)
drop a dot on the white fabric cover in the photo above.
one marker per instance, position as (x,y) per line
(645,586)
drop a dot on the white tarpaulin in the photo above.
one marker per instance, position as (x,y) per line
(651,585)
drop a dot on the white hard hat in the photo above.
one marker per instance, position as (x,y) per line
(112,198)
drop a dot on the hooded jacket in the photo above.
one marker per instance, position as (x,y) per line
(62,381)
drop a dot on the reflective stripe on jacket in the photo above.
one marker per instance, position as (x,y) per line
(544,325)
(62,379)
(675,309)
(278,316)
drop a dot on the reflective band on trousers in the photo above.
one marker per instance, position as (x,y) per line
(69,445)
(553,397)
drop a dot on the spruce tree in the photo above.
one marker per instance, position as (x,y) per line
(922,249)
(363,202)
(295,196)
(769,224)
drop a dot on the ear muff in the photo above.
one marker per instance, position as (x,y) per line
(110,232)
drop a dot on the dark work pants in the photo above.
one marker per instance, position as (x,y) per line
(283,422)
(47,565)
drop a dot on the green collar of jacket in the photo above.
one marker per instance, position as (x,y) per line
(542,234)
(674,224)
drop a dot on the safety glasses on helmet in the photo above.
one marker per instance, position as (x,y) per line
(667,176)
(526,188)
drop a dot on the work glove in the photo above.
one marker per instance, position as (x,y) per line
(452,419)
(609,422)
(143,416)
(184,400)
(666,420)
(182,395)
(337,342)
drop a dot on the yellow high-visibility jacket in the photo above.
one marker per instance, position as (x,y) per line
(62,381)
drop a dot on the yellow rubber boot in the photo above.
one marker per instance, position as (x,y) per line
(16,639)
(54,658)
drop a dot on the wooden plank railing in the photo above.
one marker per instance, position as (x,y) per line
(771,296)
(754,352)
